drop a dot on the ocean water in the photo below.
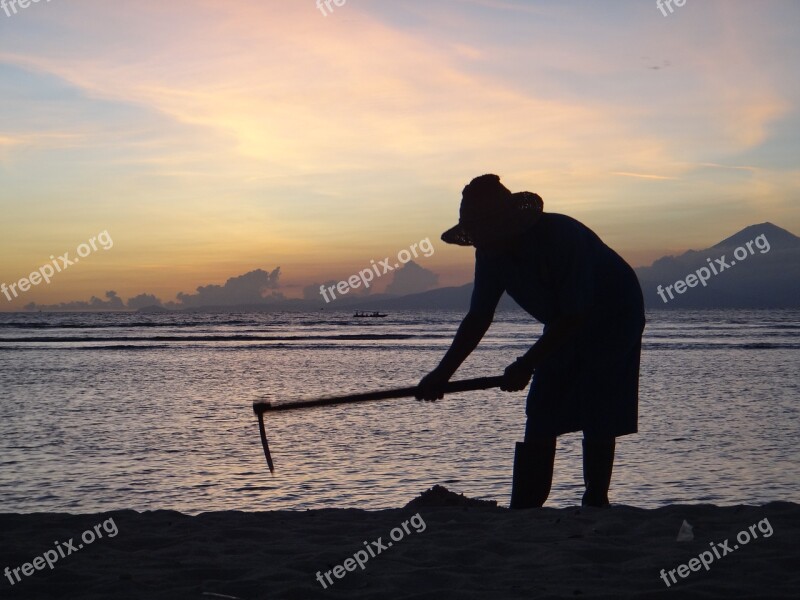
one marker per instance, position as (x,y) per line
(112,411)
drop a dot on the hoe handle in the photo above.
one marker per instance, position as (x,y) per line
(465,385)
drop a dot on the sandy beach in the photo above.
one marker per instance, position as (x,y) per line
(449,548)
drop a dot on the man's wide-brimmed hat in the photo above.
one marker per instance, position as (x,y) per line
(485,198)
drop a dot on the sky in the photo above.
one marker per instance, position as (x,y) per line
(210,140)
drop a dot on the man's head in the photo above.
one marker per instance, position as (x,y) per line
(485,206)
(491,216)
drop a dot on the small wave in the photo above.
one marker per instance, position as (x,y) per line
(768,346)
(295,347)
(132,325)
(221,338)
(721,346)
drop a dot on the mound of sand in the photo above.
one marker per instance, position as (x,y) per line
(439,495)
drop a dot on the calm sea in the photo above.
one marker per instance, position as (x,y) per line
(112,411)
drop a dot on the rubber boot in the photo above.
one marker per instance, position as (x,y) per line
(533,473)
(598,462)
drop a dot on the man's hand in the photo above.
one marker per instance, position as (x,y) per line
(431,387)
(517,376)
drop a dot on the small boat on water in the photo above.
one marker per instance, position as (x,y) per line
(364,314)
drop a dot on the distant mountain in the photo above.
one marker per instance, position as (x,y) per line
(769,277)
(449,298)
(779,239)
(758,267)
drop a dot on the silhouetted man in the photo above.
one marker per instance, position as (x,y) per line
(585,366)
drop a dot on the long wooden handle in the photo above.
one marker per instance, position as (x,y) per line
(465,385)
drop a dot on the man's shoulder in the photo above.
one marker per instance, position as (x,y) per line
(559,220)
(561,225)
(559,231)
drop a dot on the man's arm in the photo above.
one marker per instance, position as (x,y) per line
(519,373)
(472,329)
(558,334)
(486,293)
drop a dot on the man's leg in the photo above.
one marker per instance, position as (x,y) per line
(533,472)
(598,463)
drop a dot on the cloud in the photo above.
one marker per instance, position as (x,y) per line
(640,175)
(113,302)
(311,291)
(250,288)
(412,279)
(143,301)
(255,287)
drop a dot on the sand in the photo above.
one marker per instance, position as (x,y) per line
(454,548)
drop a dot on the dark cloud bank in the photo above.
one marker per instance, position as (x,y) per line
(253,290)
